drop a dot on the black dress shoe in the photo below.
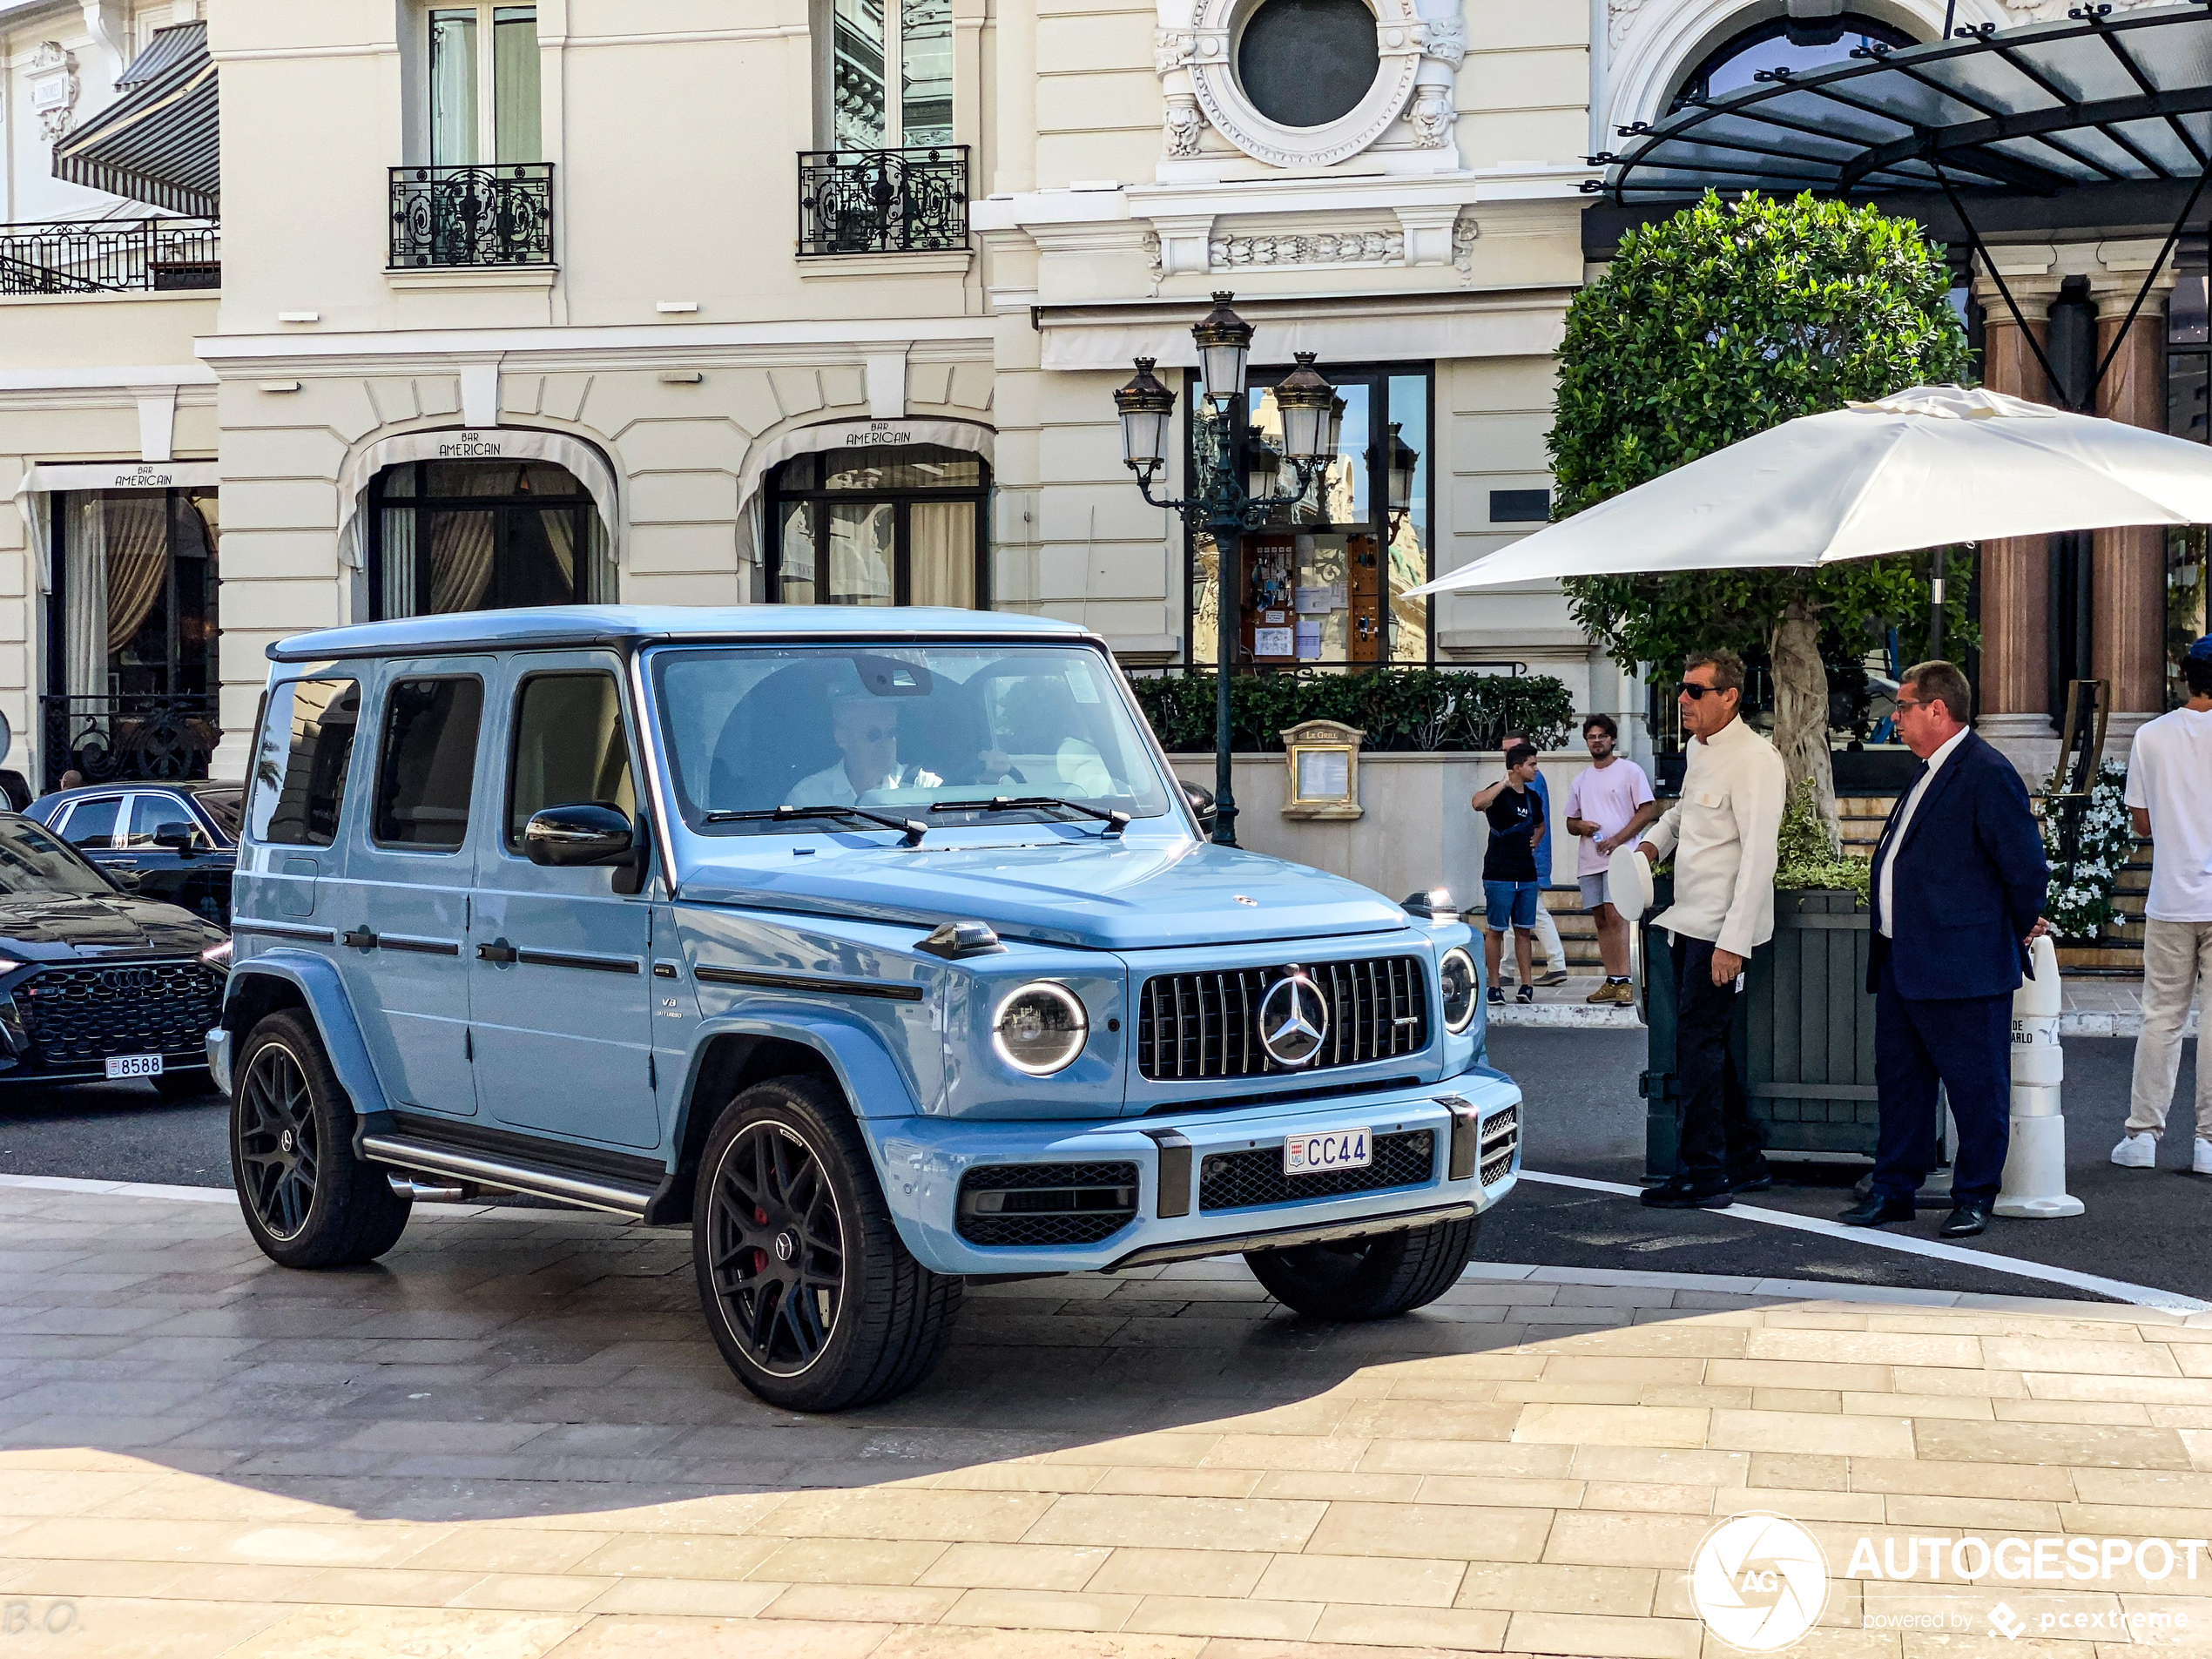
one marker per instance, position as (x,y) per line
(1966,1221)
(1876,1211)
(1756,1177)
(1682,1194)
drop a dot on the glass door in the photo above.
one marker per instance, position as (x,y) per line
(901,525)
(484,106)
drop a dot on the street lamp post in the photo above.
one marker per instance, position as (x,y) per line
(1237,491)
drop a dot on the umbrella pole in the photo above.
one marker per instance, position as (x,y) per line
(1935,606)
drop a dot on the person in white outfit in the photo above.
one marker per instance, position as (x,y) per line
(866,731)
(2169,793)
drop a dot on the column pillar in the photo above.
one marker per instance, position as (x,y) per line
(2015,570)
(2128,616)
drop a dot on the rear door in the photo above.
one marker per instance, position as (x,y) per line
(400,908)
(561,983)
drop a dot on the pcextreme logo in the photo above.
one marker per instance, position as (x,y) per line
(1759,1581)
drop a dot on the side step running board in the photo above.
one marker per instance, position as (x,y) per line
(592,1191)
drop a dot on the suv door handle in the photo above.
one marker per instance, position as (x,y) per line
(498,951)
(360,938)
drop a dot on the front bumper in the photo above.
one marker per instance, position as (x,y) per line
(1474,1158)
(219,1058)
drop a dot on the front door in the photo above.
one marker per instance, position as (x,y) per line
(401,909)
(559,961)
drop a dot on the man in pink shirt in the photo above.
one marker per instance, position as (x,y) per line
(1607,806)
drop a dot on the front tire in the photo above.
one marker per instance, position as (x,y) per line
(308,1200)
(812,1299)
(1368,1278)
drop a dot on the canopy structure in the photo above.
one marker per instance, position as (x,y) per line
(159,142)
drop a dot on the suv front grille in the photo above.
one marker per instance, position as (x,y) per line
(1046,1204)
(1197,1026)
(1500,1137)
(79,1015)
(1240,1180)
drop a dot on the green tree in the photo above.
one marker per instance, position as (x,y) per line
(1709,326)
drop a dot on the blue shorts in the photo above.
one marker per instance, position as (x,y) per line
(1509,904)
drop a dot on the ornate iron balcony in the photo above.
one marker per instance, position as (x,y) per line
(882,201)
(130,738)
(472,216)
(110,256)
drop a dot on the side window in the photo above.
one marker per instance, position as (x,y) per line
(154,812)
(569,748)
(93,823)
(427,766)
(301,762)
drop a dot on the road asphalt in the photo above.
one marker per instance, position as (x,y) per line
(1584,1119)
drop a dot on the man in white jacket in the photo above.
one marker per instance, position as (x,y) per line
(1723,832)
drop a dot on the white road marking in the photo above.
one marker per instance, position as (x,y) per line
(2138,1295)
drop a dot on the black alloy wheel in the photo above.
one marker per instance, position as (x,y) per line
(778,1248)
(276,1142)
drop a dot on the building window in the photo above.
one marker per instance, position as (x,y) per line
(450,536)
(483,103)
(1327,580)
(1307,63)
(133,630)
(890,74)
(901,525)
(2188,378)
(1784,42)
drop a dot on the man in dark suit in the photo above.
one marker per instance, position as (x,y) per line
(1958,883)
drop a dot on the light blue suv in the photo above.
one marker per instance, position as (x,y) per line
(880,946)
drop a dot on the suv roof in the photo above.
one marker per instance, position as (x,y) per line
(553,625)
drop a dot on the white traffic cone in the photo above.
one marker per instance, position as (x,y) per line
(2035,1165)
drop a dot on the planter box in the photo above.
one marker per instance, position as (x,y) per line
(1804,1033)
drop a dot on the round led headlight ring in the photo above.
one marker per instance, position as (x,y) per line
(1040,1029)
(1461,989)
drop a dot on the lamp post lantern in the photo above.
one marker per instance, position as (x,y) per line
(1238,490)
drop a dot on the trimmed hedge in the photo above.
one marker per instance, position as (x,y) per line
(1401,710)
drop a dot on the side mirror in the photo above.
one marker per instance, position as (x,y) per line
(1201,800)
(177,837)
(578,836)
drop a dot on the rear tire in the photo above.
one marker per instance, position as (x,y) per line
(1368,1278)
(815,1303)
(308,1200)
(183,1085)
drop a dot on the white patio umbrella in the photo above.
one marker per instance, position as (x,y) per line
(1927,467)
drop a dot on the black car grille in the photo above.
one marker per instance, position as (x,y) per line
(1046,1204)
(1196,1026)
(1240,1180)
(79,1015)
(1500,1137)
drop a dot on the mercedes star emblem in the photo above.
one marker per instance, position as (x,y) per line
(1293,1020)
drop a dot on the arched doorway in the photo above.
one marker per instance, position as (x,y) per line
(483,535)
(897,524)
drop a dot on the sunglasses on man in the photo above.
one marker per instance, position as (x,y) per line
(1694,692)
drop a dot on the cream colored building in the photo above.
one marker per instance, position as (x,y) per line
(696,302)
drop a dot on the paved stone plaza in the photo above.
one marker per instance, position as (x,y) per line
(514,1438)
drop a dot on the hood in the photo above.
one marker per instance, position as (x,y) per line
(1086,892)
(57,926)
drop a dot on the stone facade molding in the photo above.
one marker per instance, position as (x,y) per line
(53,87)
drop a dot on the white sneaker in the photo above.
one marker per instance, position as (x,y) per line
(2138,1149)
(2203,1163)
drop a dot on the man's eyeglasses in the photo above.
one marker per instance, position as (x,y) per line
(1905,705)
(1694,692)
(877,733)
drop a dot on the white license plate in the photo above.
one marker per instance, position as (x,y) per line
(1340,1148)
(145,1065)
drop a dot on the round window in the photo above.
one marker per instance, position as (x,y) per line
(1307,63)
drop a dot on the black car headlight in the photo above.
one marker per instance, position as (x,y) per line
(1040,1029)
(1460,984)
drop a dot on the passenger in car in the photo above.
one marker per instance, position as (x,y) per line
(866,729)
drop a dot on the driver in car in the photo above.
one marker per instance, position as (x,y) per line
(866,731)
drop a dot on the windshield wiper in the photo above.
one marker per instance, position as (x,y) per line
(1116,822)
(912,829)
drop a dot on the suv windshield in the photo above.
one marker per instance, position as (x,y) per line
(33,861)
(930,733)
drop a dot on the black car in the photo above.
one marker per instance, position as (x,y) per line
(178,841)
(96,983)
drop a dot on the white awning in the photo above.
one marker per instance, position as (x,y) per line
(123,474)
(862,434)
(585,462)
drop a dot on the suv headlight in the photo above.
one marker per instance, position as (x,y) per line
(218,955)
(1457,979)
(1040,1029)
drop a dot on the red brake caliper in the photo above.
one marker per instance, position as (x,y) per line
(759,1257)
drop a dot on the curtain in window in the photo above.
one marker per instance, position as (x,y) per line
(399,562)
(515,86)
(138,563)
(84,589)
(453,86)
(560,535)
(117,568)
(462,545)
(861,549)
(942,545)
